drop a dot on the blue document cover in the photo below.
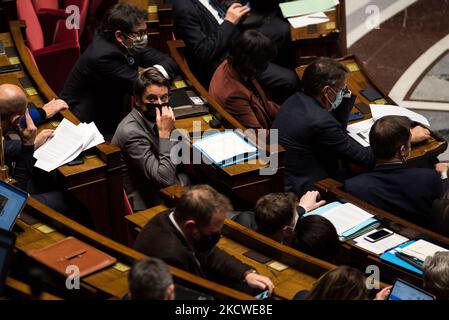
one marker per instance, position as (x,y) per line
(390,257)
(226,148)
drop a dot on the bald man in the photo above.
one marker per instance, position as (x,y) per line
(19,153)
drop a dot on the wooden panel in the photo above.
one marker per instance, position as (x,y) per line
(97,183)
(106,283)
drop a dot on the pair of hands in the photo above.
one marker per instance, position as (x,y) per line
(29,134)
(236,12)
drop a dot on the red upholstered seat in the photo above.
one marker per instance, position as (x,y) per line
(50,11)
(55,60)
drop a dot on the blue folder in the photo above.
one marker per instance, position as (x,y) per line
(237,159)
(363,227)
(390,257)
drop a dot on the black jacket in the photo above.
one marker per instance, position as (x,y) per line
(101,79)
(403,191)
(161,239)
(207,42)
(315,140)
(20,161)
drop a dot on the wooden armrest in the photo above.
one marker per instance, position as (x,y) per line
(173,193)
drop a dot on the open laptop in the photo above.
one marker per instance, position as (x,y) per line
(7,240)
(12,202)
(403,290)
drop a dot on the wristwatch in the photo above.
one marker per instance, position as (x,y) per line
(248,272)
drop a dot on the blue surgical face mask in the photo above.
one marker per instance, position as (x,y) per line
(338,99)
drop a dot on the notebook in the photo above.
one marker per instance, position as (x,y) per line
(303,7)
(71,251)
(226,148)
(349,220)
(186,103)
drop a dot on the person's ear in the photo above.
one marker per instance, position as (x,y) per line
(189,227)
(119,37)
(170,292)
(403,152)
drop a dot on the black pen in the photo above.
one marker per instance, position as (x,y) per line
(409,259)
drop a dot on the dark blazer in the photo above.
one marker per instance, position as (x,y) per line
(147,157)
(239,99)
(403,191)
(207,42)
(20,161)
(161,239)
(101,79)
(314,140)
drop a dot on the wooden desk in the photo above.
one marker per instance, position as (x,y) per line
(104,284)
(98,182)
(302,270)
(15,289)
(325,39)
(331,190)
(423,154)
(242,182)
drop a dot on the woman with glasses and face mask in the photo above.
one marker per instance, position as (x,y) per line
(102,79)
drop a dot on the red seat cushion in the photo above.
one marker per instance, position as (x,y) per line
(35,37)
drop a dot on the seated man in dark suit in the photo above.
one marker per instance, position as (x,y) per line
(150,279)
(187,238)
(276,214)
(208,28)
(392,186)
(98,85)
(312,127)
(19,153)
(144,138)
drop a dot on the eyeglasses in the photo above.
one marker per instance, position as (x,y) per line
(345,90)
(139,34)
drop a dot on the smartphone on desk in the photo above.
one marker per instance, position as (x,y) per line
(263,295)
(378,235)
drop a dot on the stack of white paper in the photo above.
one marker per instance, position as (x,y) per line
(422,249)
(307,20)
(359,131)
(379,111)
(68,142)
(346,216)
(380,246)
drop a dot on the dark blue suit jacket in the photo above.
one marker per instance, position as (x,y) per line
(314,140)
(101,79)
(403,191)
(207,42)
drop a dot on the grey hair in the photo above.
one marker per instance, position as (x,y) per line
(149,279)
(436,274)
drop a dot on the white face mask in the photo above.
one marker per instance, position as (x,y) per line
(138,44)
(338,99)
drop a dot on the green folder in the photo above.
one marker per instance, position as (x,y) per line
(303,7)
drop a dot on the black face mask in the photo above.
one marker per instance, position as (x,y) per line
(207,243)
(150,110)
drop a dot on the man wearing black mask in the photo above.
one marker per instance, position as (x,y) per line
(187,238)
(144,138)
